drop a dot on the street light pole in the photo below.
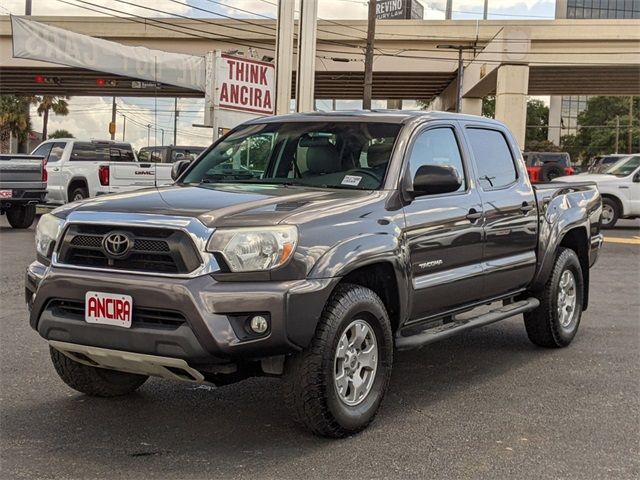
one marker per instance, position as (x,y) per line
(148,133)
(162,130)
(124,125)
(485,13)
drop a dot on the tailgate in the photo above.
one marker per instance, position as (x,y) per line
(21,172)
(132,174)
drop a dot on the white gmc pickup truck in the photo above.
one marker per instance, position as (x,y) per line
(80,169)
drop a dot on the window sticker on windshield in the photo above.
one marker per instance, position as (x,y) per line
(352,180)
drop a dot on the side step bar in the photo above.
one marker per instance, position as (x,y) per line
(449,329)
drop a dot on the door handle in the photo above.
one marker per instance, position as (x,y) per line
(526,207)
(473,215)
(55,169)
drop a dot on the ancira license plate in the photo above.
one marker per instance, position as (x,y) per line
(6,193)
(108,309)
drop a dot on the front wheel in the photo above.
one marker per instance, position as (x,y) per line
(336,385)
(555,322)
(93,381)
(610,213)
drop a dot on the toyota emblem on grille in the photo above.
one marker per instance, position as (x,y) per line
(117,244)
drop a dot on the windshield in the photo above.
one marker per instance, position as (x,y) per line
(351,155)
(624,167)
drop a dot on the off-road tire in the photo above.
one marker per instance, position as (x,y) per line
(543,324)
(311,394)
(615,212)
(81,193)
(93,381)
(21,217)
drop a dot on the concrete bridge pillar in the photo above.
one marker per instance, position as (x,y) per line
(472,106)
(511,99)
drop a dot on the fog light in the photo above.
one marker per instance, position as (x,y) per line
(259,324)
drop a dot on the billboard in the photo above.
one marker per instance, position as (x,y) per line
(245,84)
(399,9)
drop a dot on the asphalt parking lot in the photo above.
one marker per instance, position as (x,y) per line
(487,404)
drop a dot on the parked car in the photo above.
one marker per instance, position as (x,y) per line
(169,154)
(363,232)
(602,162)
(79,169)
(619,186)
(23,184)
(545,166)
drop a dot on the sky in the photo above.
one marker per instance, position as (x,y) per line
(90,116)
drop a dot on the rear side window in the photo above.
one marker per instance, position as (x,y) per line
(121,154)
(56,152)
(494,161)
(43,150)
(89,152)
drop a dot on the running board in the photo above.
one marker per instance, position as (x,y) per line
(452,328)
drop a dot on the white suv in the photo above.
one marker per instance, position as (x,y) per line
(80,169)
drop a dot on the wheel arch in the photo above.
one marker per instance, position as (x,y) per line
(577,240)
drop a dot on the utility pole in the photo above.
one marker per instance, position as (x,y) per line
(162,130)
(175,121)
(617,132)
(148,133)
(448,10)
(23,145)
(124,125)
(368,56)
(460,49)
(112,127)
(630,137)
(485,12)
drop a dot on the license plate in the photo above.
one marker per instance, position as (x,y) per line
(6,193)
(108,309)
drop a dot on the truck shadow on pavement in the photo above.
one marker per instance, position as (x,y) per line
(242,422)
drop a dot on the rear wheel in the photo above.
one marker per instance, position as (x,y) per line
(22,216)
(335,387)
(610,213)
(555,322)
(79,193)
(93,381)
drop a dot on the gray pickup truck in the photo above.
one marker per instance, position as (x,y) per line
(23,185)
(310,247)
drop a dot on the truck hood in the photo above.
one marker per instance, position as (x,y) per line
(586,177)
(227,205)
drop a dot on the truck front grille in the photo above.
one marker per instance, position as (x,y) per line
(153,250)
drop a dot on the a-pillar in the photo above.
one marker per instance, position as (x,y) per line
(472,106)
(512,87)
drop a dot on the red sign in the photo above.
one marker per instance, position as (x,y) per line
(246,85)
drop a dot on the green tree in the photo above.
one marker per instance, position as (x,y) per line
(537,121)
(597,132)
(45,103)
(489,106)
(14,119)
(61,133)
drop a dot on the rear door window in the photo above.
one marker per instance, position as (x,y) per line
(89,152)
(56,152)
(494,162)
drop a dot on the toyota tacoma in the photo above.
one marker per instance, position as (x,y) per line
(310,247)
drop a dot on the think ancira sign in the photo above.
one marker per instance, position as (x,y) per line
(245,85)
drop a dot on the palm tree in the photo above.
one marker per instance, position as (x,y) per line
(14,118)
(59,105)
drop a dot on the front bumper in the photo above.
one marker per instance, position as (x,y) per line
(211,310)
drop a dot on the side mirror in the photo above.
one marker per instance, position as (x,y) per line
(434,179)
(178,167)
(636,178)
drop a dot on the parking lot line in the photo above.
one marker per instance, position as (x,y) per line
(629,241)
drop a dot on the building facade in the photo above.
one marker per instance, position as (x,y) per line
(564,110)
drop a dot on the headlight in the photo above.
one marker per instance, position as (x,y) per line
(47,233)
(254,249)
